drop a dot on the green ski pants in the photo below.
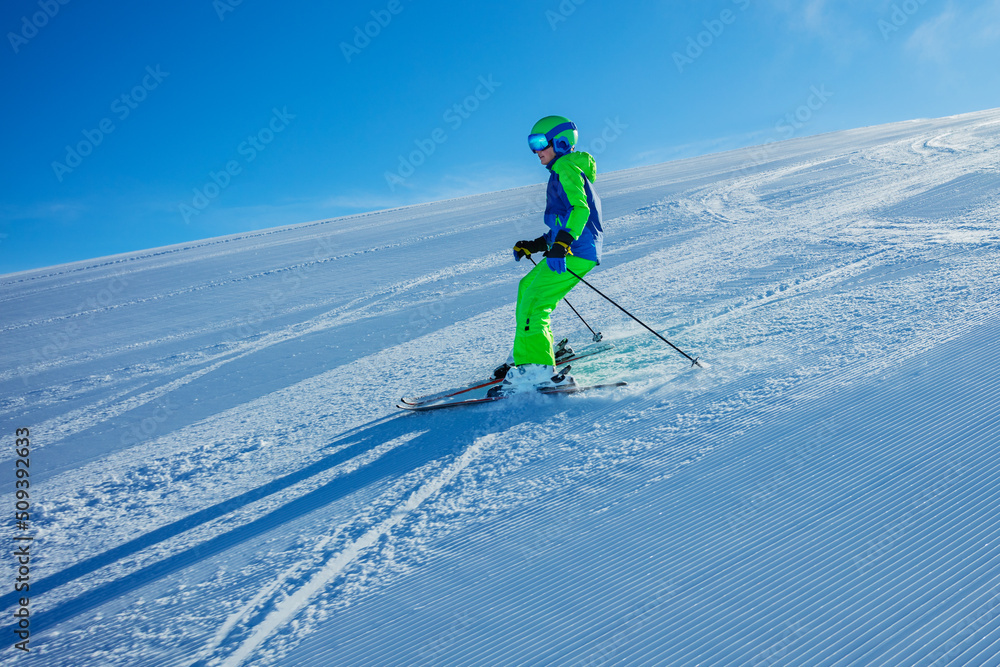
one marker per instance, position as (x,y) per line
(537,296)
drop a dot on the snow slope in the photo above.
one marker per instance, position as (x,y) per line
(218,476)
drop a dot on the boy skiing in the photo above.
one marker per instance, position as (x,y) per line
(572,245)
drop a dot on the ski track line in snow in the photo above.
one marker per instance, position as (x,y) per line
(598,410)
(66,425)
(288,608)
(916,450)
(358,306)
(780,411)
(114,260)
(805,287)
(356,310)
(212,284)
(344,461)
(236,617)
(83,266)
(845,375)
(70,423)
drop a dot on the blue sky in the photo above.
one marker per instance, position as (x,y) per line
(135,125)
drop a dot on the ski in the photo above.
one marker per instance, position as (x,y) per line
(586,352)
(444,403)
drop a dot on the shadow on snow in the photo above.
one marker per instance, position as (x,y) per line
(442,435)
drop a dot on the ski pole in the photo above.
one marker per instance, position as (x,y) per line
(598,336)
(693,360)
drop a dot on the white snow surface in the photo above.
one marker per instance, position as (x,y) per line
(219,477)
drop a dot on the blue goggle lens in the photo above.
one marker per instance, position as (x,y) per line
(538,142)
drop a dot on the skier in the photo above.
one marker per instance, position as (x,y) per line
(573,241)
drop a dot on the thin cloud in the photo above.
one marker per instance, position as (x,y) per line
(942,36)
(986,24)
(828,19)
(66,211)
(933,40)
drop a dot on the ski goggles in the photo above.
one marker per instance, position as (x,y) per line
(538,142)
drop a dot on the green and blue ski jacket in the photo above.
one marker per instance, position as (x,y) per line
(571,203)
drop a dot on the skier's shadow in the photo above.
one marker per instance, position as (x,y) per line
(437,435)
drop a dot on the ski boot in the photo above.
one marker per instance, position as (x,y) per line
(531,377)
(562,351)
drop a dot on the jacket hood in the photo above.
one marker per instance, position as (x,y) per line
(582,160)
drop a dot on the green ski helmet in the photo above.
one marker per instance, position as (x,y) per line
(558,131)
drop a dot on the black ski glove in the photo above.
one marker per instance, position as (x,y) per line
(526,248)
(556,256)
